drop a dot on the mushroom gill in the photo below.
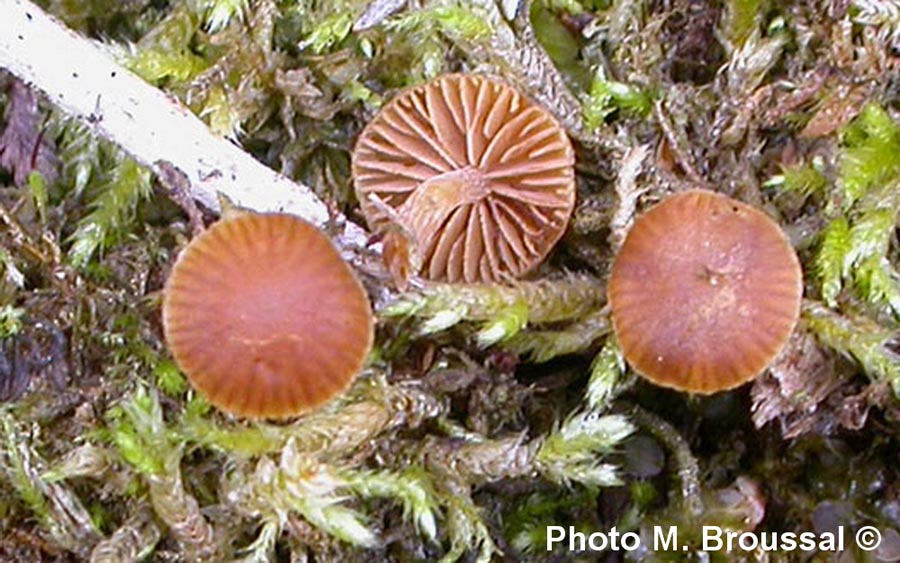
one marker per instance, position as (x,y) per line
(479,179)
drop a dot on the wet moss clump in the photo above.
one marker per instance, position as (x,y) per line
(486,413)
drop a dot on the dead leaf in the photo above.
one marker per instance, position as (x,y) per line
(299,87)
(23,146)
(837,109)
(801,378)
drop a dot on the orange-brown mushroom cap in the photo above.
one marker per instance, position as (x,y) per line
(479,177)
(705,292)
(265,318)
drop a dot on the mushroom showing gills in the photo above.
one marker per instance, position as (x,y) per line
(265,318)
(705,292)
(479,179)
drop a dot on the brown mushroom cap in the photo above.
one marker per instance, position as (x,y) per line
(481,178)
(264,316)
(704,293)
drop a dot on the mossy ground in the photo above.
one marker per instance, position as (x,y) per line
(486,414)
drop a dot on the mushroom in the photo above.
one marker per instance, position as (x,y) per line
(265,318)
(705,292)
(476,177)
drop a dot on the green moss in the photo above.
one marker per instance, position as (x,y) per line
(831,259)
(607,373)
(854,248)
(169,379)
(858,338)
(562,46)
(570,453)
(14,465)
(221,12)
(803,179)
(870,145)
(328,34)
(456,20)
(526,522)
(607,97)
(444,305)
(10,321)
(741,19)
(463,451)
(113,206)
(156,65)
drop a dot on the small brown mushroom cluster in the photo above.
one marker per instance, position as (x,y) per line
(268,321)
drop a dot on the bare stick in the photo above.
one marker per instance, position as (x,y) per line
(152,127)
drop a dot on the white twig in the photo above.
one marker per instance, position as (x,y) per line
(152,127)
